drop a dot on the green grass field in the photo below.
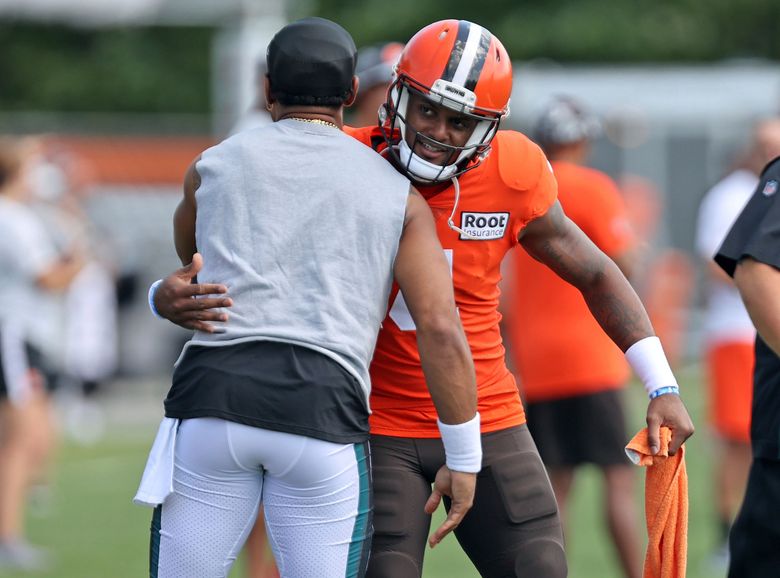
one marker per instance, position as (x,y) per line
(94,531)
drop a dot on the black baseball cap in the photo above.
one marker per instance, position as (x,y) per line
(311,57)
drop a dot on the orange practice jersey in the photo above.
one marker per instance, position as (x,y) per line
(558,349)
(497,199)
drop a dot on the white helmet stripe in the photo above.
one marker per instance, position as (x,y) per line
(469,55)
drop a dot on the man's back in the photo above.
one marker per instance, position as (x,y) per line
(303,224)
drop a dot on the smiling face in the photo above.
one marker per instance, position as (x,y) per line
(434,122)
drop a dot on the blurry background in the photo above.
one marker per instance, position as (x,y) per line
(123,95)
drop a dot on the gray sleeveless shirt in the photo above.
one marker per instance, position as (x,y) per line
(302,223)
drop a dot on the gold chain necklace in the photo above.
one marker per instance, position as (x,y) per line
(313,121)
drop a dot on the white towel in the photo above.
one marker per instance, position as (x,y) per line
(157,481)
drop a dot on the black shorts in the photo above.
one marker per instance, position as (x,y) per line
(513,529)
(586,429)
(755,535)
(17,358)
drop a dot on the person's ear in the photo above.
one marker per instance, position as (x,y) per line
(267,93)
(352,92)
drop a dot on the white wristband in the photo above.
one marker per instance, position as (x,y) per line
(152,291)
(649,362)
(462,445)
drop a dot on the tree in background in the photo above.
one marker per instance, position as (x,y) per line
(167,69)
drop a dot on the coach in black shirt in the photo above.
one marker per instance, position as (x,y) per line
(751,254)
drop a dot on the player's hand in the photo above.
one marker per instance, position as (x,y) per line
(175,299)
(459,487)
(668,410)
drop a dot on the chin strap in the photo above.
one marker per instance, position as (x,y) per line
(450,222)
(420,169)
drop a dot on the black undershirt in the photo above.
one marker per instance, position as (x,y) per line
(270,385)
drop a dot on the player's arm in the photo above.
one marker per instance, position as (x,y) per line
(423,274)
(556,241)
(185,214)
(759,285)
(37,257)
(59,275)
(173,297)
(559,243)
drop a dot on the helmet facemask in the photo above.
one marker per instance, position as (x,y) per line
(451,96)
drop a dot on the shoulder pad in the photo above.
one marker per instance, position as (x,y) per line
(520,160)
(364,134)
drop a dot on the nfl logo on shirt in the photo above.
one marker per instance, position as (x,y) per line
(770,188)
(483,226)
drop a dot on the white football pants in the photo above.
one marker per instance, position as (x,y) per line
(316,496)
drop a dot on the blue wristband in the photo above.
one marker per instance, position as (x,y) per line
(152,291)
(664,391)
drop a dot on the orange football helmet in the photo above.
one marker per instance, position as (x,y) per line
(459,65)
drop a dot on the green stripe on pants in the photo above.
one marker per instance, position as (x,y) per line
(357,559)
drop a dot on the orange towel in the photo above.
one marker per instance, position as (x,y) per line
(666,505)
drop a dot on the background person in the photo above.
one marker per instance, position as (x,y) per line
(31,274)
(88,347)
(375,71)
(273,409)
(570,373)
(729,332)
(751,254)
